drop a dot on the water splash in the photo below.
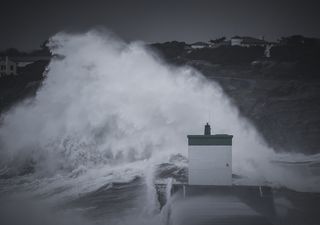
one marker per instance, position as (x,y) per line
(106,102)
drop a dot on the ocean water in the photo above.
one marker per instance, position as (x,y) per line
(110,119)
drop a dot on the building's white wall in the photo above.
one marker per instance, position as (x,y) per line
(210,165)
(236,42)
(198,46)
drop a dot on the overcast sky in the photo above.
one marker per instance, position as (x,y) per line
(26,24)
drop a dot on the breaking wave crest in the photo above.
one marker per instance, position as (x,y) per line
(106,105)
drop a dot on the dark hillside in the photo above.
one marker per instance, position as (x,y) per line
(227,55)
(280,94)
(16,88)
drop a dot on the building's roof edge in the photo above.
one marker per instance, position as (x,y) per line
(211,136)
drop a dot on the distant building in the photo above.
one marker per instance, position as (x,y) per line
(198,45)
(248,42)
(7,67)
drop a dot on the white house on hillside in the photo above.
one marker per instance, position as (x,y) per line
(247,42)
(198,45)
(7,67)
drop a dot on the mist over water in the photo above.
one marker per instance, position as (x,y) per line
(109,111)
(109,102)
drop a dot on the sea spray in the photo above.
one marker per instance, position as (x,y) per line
(152,204)
(169,189)
(108,104)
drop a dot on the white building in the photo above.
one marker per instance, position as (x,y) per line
(210,158)
(198,45)
(7,67)
(236,41)
(247,41)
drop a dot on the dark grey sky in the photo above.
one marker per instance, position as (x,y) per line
(27,23)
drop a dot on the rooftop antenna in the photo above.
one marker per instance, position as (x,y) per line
(207,129)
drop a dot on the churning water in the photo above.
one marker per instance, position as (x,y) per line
(107,114)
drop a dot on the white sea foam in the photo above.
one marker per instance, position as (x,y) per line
(108,103)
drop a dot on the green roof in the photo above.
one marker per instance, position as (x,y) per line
(217,139)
